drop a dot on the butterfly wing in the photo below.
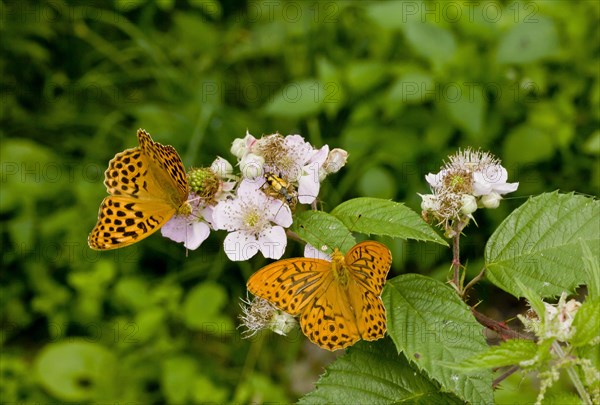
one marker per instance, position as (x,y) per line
(368,264)
(167,158)
(123,220)
(307,287)
(147,186)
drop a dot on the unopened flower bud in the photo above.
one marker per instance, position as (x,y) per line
(251,166)
(221,167)
(429,203)
(336,159)
(238,148)
(469,204)
(491,200)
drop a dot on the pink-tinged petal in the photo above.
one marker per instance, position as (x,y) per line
(272,242)
(312,252)
(308,188)
(251,188)
(435,180)
(240,246)
(279,212)
(197,232)
(320,156)
(186,230)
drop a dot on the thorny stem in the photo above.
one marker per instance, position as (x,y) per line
(473,282)
(500,328)
(510,371)
(585,397)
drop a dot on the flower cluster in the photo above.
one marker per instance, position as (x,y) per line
(254,206)
(469,180)
(258,314)
(557,320)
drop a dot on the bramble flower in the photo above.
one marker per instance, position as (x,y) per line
(258,314)
(558,320)
(192,229)
(255,222)
(470,179)
(290,158)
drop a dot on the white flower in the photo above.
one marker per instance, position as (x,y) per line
(255,222)
(309,182)
(191,230)
(251,166)
(222,167)
(258,314)
(436,180)
(429,202)
(240,147)
(492,179)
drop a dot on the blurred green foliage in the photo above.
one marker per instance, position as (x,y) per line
(398,84)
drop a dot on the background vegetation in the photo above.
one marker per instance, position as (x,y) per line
(400,85)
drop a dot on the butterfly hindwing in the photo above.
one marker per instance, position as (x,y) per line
(123,220)
(369,263)
(290,284)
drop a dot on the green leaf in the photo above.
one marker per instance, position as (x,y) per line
(385,14)
(586,323)
(323,231)
(539,244)
(528,41)
(430,324)
(535,301)
(412,87)
(527,144)
(373,373)
(77,371)
(592,272)
(507,353)
(383,217)
(430,41)
(466,106)
(202,308)
(298,99)
(178,374)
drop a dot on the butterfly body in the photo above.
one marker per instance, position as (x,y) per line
(147,186)
(337,302)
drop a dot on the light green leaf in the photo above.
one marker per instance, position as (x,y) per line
(373,373)
(430,324)
(527,144)
(467,107)
(528,41)
(178,374)
(586,323)
(539,244)
(202,308)
(205,391)
(535,301)
(386,13)
(323,231)
(383,217)
(592,272)
(507,353)
(413,87)
(430,41)
(77,371)
(298,99)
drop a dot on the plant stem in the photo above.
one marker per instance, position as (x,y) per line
(511,370)
(473,282)
(585,397)
(500,328)
(456,260)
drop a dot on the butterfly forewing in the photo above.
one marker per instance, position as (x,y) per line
(147,186)
(369,263)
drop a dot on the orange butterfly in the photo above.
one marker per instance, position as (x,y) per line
(147,186)
(339,301)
